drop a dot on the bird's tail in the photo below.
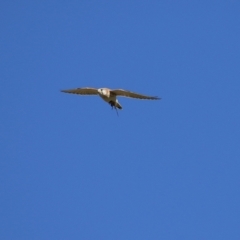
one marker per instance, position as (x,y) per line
(117,104)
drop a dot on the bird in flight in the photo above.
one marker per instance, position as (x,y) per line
(109,95)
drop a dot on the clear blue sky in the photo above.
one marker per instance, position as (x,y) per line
(70,168)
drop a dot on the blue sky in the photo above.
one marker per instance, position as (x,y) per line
(71,168)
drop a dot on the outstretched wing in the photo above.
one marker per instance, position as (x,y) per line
(82,91)
(125,93)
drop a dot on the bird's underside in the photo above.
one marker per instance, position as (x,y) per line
(110,95)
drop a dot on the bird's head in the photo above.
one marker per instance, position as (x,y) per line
(102,91)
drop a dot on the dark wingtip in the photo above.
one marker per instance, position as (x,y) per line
(156,98)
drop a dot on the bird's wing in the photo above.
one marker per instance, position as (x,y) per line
(125,93)
(82,91)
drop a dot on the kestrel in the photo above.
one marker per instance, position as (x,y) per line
(109,95)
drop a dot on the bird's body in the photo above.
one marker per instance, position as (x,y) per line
(108,95)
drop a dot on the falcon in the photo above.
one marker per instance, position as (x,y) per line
(109,95)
